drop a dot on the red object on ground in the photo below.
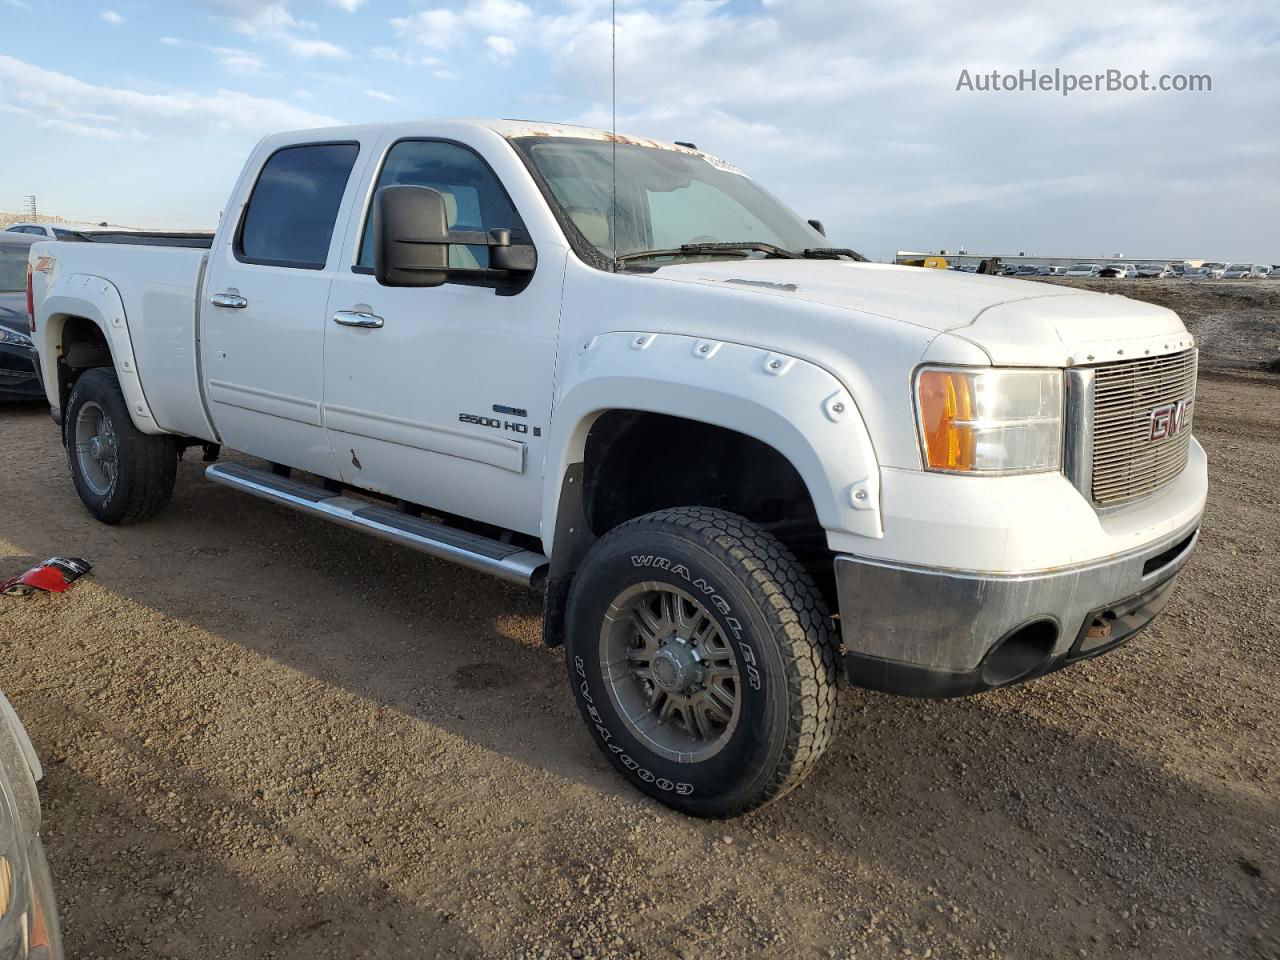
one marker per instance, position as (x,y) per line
(55,575)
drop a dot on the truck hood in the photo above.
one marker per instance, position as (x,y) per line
(1013,321)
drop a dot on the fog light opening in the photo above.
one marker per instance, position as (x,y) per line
(1020,653)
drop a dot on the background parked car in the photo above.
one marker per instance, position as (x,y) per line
(1158,271)
(28,913)
(18,378)
(1119,270)
(1052,270)
(1242,271)
(1027,270)
(1206,271)
(1084,270)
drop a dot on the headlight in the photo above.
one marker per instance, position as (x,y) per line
(14,338)
(28,918)
(989,421)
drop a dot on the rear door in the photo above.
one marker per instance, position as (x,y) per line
(263,317)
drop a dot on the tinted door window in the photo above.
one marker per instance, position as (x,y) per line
(291,213)
(474,199)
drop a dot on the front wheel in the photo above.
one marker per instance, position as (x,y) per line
(122,474)
(703,660)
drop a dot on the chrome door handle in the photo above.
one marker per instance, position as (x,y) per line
(232,301)
(355,318)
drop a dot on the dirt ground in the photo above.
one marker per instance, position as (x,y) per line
(269,737)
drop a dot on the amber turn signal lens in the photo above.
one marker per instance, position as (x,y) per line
(947,414)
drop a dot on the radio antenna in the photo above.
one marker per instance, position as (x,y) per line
(613,98)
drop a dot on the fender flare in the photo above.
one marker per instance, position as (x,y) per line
(794,406)
(98,301)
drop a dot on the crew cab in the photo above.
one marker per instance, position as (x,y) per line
(738,461)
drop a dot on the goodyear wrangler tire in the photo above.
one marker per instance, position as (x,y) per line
(703,660)
(122,474)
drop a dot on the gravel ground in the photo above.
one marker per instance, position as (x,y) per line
(269,737)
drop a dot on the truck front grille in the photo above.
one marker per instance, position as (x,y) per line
(1141,425)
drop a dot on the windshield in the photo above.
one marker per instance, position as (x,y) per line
(665,198)
(1085,266)
(13,267)
(1240,266)
(1213,266)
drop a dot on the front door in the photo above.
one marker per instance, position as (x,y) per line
(263,319)
(441,396)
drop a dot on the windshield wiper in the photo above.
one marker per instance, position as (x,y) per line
(833,253)
(685,249)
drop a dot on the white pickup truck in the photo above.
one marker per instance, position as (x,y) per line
(738,461)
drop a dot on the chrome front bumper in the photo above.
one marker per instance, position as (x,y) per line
(943,633)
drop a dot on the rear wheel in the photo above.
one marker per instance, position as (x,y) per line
(703,660)
(122,474)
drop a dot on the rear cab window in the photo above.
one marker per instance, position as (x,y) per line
(290,217)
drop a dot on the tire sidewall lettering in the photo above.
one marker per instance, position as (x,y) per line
(606,736)
(735,627)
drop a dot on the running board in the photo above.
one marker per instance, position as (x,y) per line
(448,543)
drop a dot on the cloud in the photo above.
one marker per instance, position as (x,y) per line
(304,47)
(239,62)
(64,124)
(350,6)
(501,49)
(232,59)
(404,57)
(442,27)
(111,17)
(271,20)
(848,108)
(60,101)
(379,95)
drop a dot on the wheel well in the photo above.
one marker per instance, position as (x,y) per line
(81,346)
(637,462)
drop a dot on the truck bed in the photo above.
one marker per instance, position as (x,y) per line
(158,285)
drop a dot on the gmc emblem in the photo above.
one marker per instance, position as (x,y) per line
(1168,419)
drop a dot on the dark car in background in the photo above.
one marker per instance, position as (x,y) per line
(18,377)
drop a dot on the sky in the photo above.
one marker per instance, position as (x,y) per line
(141,111)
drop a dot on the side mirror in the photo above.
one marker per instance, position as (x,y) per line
(817,225)
(411,244)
